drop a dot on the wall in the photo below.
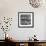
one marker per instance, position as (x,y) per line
(10,8)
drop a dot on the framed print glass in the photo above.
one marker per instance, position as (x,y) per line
(25,19)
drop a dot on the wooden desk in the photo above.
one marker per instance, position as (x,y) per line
(31,43)
(28,43)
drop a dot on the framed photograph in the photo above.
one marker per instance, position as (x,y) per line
(25,19)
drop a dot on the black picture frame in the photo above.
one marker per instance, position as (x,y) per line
(23,22)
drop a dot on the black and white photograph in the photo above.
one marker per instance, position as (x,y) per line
(25,19)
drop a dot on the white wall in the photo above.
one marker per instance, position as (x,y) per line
(10,8)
